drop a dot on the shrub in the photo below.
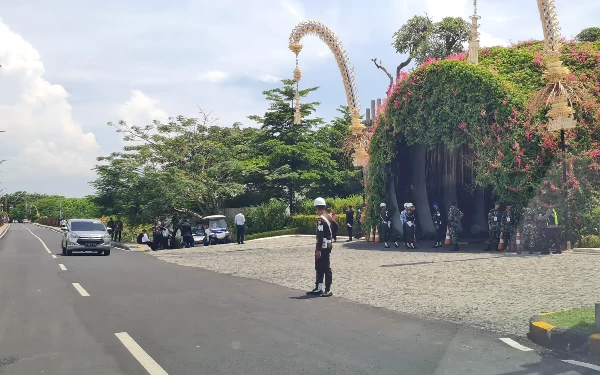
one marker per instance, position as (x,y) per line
(590,240)
(268,217)
(306,206)
(282,232)
(311,221)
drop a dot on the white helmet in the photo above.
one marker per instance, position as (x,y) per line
(382,205)
(409,205)
(405,205)
(320,202)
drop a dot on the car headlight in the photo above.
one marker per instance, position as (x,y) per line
(107,238)
(73,237)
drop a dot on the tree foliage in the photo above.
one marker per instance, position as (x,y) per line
(33,205)
(486,106)
(421,38)
(167,170)
(591,34)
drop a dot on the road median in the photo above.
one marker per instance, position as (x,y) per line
(568,331)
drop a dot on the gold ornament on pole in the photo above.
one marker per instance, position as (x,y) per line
(296,48)
(337,48)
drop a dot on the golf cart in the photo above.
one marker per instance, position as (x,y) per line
(218,232)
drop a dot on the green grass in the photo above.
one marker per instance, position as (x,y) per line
(577,319)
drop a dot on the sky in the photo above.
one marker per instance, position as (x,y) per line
(70,66)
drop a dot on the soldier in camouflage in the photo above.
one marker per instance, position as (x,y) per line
(494,225)
(454,215)
(529,225)
(508,227)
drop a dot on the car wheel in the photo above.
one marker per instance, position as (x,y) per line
(106,252)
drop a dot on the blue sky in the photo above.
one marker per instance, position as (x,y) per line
(69,66)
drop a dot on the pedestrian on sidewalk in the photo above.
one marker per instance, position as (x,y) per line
(186,234)
(494,225)
(349,222)
(403,225)
(111,226)
(410,225)
(323,251)
(240,222)
(438,225)
(157,236)
(508,226)
(550,234)
(385,224)
(454,216)
(143,239)
(118,230)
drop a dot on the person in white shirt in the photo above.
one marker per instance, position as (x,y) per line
(146,240)
(240,220)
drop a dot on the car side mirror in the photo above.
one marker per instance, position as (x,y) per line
(109,230)
(64,228)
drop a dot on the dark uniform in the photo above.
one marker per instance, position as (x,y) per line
(186,235)
(410,227)
(349,222)
(323,246)
(508,227)
(549,234)
(494,226)
(384,226)
(118,230)
(438,226)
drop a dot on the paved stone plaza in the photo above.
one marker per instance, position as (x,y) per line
(490,290)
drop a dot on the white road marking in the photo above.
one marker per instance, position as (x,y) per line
(81,290)
(5,230)
(53,256)
(582,364)
(62,267)
(43,244)
(140,354)
(515,344)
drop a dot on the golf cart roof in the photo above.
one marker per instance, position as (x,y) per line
(214,217)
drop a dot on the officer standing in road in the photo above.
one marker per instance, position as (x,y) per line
(323,251)
(454,215)
(385,224)
(186,234)
(494,225)
(438,225)
(508,227)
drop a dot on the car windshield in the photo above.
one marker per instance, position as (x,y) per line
(87,226)
(216,224)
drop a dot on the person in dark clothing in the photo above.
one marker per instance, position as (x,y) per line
(186,234)
(349,222)
(410,225)
(323,251)
(118,230)
(111,225)
(157,236)
(438,225)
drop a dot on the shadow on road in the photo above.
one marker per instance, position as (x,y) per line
(441,261)
(306,296)
(80,255)
(550,366)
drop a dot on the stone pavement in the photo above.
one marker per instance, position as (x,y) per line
(495,291)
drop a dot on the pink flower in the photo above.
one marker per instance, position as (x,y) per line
(500,154)
(463,125)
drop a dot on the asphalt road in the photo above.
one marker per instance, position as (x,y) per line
(132,314)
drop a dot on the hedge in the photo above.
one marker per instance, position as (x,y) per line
(275,233)
(311,221)
(306,206)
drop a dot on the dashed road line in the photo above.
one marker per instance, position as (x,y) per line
(80,289)
(62,267)
(140,354)
(43,244)
(515,344)
(582,364)
(53,256)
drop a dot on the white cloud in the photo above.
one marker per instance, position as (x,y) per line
(269,78)
(141,110)
(42,140)
(214,76)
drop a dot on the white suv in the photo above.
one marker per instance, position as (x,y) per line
(85,235)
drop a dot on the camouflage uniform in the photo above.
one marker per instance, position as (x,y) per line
(454,215)
(494,225)
(508,228)
(529,225)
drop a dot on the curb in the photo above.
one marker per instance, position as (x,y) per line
(551,337)
(57,230)
(3,231)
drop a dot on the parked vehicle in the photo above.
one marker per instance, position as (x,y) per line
(85,235)
(218,232)
(198,235)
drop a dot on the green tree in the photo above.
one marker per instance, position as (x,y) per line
(591,34)
(187,165)
(411,39)
(296,159)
